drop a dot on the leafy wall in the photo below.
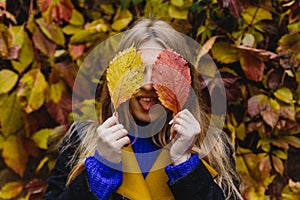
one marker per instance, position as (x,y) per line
(256,45)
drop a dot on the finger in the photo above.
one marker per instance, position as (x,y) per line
(115,128)
(122,142)
(118,134)
(110,122)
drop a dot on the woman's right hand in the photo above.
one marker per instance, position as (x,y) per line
(112,136)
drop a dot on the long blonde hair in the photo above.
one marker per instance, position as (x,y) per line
(219,157)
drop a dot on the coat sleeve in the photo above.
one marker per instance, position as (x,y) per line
(57,188)
(198,184)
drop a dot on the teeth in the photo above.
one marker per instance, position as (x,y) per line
(147,99)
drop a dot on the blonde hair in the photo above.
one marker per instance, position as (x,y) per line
(219,158)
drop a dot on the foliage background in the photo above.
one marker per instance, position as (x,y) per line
(256,45)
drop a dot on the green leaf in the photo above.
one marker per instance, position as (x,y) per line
(14,155)
(8,80)
(77,18)
(125,4)
(92,33)
(177,3)
(225,52)
(52,31)
(32,90)
(178,13)
(253,14)
(107,8)
(121,19)
(11,114)
(41,137)
(284,94)
(280,154)
(159,8)
(11,190)
(6,40)
(71,29)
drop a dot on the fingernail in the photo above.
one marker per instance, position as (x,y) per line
(171,122)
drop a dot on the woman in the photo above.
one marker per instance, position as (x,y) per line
(144,150)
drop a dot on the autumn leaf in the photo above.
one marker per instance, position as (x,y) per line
(26,54)
(121,19)
(5,41)
(41,42)
(8,79)
(256,104)
(59,102)
(11,114)
(252,65)
(11,190)
(51,31)
(125,75)
(171,78)
(76,51)
(36,187)
(32,90)
(59,10)
(40,137)
(14,154)
(225,52)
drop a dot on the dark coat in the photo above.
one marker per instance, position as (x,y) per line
(196,185)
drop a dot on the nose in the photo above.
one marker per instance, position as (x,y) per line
(147,83)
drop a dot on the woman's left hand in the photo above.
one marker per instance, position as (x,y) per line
(183,133)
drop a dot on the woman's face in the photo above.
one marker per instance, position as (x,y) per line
(141,105)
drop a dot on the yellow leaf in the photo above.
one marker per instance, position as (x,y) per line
(177,12)
(121,19)
(32,90)
(225,52)
(10,115)
(125,75)
(55,91)
(14,155)
(1,142)
(42,163)
(11,190)
(26,55)
(41,137)
(8,79)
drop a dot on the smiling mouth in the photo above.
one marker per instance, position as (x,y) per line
(147,102)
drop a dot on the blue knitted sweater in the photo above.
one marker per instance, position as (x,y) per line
(105,177)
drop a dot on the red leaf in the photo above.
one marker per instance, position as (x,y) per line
(65,10)
(44,4)
(76,50)
(36,186)
(60,111)
(67,71)
(253,66)
(62,11)
(171,78)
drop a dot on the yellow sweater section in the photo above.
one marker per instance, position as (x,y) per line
(154,186)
